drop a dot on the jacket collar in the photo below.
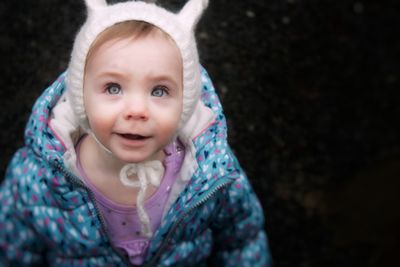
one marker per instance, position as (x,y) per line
(38,136)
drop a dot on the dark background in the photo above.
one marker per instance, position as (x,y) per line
(310,90)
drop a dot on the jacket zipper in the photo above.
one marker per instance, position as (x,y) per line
(75,180)
(78,182)
(180,220)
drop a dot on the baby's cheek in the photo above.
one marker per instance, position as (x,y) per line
(100,122)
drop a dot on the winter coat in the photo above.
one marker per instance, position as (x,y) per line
(49,217)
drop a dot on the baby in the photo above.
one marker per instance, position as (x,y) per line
(126,159)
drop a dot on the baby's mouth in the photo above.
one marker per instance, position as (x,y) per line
(133,136)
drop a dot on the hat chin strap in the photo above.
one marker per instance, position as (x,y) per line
(90,132)
(148,172)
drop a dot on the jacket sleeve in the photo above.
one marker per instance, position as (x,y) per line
(240,238)
(19,245)
(238,230)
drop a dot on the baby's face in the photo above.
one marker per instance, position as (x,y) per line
(133,95)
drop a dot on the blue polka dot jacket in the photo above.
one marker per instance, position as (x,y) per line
(48,217)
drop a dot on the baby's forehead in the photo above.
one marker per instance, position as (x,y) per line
(150,56)
(128,30)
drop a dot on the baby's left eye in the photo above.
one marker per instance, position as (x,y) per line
(159,91)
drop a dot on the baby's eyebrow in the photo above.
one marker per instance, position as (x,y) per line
(165,78)
(110,73)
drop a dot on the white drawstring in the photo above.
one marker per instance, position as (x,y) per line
(146,172)
(89,131)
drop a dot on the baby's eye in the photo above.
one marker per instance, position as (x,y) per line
(113,89)
(159,91)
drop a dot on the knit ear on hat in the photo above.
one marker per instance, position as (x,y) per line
(93,4)
(191,12)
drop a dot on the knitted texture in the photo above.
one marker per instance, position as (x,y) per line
(147,173)
(180,27)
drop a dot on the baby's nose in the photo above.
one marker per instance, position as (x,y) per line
(136,108)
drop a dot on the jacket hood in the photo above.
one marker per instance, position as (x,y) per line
(39,137)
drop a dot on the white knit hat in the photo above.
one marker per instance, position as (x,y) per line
(180,27)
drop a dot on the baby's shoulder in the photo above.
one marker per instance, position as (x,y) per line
(29,172)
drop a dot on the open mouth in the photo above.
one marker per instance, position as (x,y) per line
(133,136)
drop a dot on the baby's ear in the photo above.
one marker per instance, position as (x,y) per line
(93,4)
(191,13)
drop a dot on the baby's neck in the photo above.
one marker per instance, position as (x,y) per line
(102,169)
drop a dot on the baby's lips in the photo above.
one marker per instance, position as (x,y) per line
(133,136)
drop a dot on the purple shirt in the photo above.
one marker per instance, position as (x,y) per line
(123,224)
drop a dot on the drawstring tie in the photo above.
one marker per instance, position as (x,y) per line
(149,172)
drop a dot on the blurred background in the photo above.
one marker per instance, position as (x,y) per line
(310,91)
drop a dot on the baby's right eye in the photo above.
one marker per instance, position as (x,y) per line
(113,89)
